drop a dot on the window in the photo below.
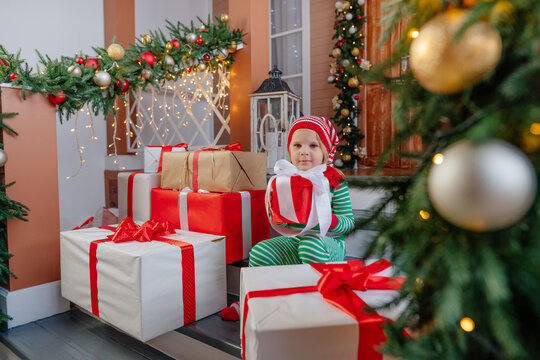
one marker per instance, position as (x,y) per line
(289,45)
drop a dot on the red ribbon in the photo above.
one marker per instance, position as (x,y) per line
(168,148)
(336,287)
(230,147)
(131,178)
(127,230)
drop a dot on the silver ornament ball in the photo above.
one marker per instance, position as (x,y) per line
(147,74)
(74,70)
(102,78)
(3,158)
(169,62)
(349,16)
(483,187)
(191,38)
(338,162)
(331,79)
(361,2)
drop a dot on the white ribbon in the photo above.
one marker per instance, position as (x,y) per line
(321,208)
(245,198)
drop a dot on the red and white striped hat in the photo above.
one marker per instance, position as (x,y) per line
(323,127)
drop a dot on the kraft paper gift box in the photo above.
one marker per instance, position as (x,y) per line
(134,194)
(219,171)
(144,288)
(284,316)
(239,216)
(153,156)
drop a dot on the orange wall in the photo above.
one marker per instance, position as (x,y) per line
(32,164)
(321,24)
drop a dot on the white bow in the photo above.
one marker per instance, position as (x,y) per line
(321,209)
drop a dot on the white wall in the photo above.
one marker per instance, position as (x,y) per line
(64,27)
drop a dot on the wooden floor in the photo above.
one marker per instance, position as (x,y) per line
(76,335)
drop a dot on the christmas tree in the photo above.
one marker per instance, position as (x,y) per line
(466,227)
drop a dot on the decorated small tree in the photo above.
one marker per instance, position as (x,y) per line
(466,228)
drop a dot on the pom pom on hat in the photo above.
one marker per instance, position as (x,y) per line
(323,127)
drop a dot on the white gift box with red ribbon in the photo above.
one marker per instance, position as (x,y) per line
(144,288)
(284,315)
(134,194)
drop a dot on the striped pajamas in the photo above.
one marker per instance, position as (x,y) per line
(309,248)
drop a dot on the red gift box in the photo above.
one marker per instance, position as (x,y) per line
(240,216)
(301,189)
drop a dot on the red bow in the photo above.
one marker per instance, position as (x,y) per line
(230,147)
(127,230)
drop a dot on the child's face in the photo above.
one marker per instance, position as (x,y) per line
(304,150)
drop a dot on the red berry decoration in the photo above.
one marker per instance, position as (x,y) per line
(206,57)
(189,69)
(175,43)
(344,41)
(199,41)
(80,60)
(123,86)
(13,76)
(92,62)
(148,57)
(356,97)
(57,99)
(4,62)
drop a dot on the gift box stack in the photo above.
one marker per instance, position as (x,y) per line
(199,211)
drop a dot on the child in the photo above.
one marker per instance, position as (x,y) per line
(311,141)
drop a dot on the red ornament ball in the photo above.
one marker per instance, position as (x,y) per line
(359,17)
(206,57)
(336,23)
(123,86)
(339,43)
(344,41)
(4,62)
(189,69)
(175,43)
(199,41)
(57,99)
(80,60)
(92,62)
(356,97)
(149,58)
(13,76)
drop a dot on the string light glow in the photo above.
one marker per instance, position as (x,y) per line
(438,159)
(467,324)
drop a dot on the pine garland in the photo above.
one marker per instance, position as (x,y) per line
(491,278)
(346,75)
(204,48)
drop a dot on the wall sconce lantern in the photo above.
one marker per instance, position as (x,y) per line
(273,108)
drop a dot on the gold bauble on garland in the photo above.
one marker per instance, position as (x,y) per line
(445,66)
(232,48)
(344,112)
(353,82)
(355,51)
(168,46)
(146,74)
(336,52)
(202,67)
(347,130)
(146,39)
(224,18)
(346,157)
(116,51)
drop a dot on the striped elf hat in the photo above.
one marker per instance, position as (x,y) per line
(323,127)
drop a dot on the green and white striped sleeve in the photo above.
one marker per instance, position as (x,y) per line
(341,208)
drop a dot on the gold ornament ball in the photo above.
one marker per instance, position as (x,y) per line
(346,5)
(102,79)
(353,82)
(146,39)
(146,74)
(445,66)
(202,27)
(116,51)
(355,51)
(503,11)
(168,46)
(347,130)
(346,157)
(336,52)
(482,187)
(232,48)
(202,67)
(224,18)
(345,112)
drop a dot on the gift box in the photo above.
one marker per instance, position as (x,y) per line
(300,194)
(316,311)
(134,194)
(153,156)
(220,171)
(240,216)
(144,288)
